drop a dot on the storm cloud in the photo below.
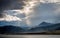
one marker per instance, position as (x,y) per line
(9,5)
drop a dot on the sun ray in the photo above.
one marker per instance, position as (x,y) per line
(28,8)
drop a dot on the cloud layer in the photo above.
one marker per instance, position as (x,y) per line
(45,11)
(9,5)
(35,11)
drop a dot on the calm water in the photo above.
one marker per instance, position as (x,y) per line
(30,36)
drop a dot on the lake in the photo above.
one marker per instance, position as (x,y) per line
(29,36)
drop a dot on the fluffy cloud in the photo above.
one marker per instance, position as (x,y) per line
(13,15)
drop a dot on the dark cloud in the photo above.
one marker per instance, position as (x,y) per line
(10,4)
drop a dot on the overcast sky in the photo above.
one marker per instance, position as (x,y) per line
(44,11)
(35,11)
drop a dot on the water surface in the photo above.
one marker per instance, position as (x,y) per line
(30,36)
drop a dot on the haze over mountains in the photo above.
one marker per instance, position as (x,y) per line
(43,27)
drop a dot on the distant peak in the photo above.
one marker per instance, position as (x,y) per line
(45,23)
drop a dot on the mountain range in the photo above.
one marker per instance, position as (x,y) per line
(43,27)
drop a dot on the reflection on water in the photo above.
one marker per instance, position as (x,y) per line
(30,36)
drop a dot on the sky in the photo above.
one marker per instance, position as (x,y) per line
(31,12)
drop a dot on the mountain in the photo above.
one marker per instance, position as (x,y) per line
(52,27)
(57,26)
(44,24)
(11,29)
(13,23)
(44,27)
(3,23)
